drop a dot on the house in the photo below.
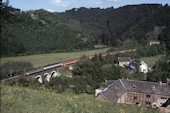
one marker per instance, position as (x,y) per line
(143,67)
(140,93)
(123,61)
(153,42)
(133,65)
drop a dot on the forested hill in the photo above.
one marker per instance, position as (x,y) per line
(40,31)
(109,24)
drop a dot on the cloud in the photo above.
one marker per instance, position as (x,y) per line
(60,3)
(50,10)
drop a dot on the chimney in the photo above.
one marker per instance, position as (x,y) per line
(160,83)
(168,81)
(153,88)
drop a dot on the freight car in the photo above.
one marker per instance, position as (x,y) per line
(70,62)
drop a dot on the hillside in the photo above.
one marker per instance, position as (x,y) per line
(40,31)
(23,100)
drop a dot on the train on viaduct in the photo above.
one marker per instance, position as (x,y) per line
(53,70)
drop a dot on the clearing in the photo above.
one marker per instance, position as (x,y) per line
(15,99)
(50,58)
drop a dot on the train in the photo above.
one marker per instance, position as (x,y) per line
(51,66)
(56,65)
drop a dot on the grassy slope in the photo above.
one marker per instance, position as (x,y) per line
(151,60)
(25,100)
(44,59)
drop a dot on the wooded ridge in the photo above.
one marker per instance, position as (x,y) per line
(40,31)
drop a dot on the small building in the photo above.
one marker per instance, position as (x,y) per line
(153,42)
(99,46)
(123,61)
(143,67)
(140,93)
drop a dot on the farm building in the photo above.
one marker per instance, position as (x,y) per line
(140,93)
(123,61)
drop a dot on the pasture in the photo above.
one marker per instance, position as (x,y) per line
(151,60)
(50,58)
(15,99)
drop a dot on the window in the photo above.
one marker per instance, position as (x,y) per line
(148,103)
(148,96)
(135,97)
(137,103)
(163,98)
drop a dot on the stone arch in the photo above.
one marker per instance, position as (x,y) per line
(39,78)
(48,76)
(155,105)
(55,74)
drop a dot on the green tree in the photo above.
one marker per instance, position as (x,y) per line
(111,72)
(161,71)
(12,68)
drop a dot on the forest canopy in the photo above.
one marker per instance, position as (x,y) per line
(40,31)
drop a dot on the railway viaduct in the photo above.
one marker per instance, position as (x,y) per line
(55,71)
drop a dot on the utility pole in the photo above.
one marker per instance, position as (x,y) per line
(10,70)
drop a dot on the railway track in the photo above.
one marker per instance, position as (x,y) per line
(55,66)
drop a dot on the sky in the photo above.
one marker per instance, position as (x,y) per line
(63,5)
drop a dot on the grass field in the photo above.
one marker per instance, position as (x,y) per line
(24,100)
(44,59)
(151,60)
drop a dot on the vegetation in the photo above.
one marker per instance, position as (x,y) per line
(164,38)
(151,60)
(35,32)
(40,31)
(50,58)
(13,68)
(24,100)
(149,51)
(87,75)
(160,71)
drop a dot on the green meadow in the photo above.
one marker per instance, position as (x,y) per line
(151,60)
(16,99)
(44,59)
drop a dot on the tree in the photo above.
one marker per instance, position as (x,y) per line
(12,68)
(161,71)
(111,72)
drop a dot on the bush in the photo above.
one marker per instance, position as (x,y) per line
(12,68)
(150,50)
